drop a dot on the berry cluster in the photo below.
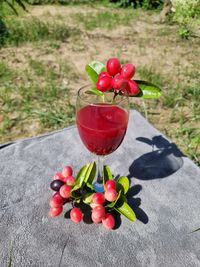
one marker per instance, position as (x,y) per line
(118,77)
(63,183)
(98,200)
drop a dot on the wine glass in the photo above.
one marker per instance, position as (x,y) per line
(102,122)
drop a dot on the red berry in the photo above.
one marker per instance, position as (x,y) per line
(110,184)
(69,180)
(98,198)
(53,212)
(95,220)
(93,205)
(104,83)
(113,66)
(127,71)
(108,221)
(58,176)
(119,83)
(133,88)
(111,194)
(56,201)
(99,212)
(76,215)
(65,191)
(103,74)
(67,171)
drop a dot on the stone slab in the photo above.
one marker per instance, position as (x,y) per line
(165,195)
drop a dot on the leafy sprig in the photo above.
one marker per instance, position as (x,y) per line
(83,189)
(146,89)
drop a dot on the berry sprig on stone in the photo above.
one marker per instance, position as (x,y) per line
(119,79)
(79,190)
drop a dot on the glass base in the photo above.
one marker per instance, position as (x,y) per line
(98,187)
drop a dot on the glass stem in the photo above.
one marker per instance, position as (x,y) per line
(100,161)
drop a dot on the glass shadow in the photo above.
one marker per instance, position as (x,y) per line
(164,160)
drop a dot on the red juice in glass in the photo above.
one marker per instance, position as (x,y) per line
(102,127)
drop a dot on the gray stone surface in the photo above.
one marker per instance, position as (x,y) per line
(165,195)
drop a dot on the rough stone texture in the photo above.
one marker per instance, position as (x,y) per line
(165,196)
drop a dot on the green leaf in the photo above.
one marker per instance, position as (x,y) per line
(148,89)
(112,204)
(123,207)
(88,198)
(91,73)
(90,186)
(76,187)
(81,175)
(91,173)
(107,174)
(123,182)
(76,194)
(97,66)
(95,91)
(93,69)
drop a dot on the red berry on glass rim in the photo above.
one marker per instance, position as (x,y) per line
(113,66)
(128,71)
(69,180)
(104,83)
(65,191)
(119,83)
(76,215)
(53,212)
(133,88)
(67,171)
(98,198)
(99,212)
(111,194)
(56,201)
(103,74)
(58,176)
(108,221)
(110,184)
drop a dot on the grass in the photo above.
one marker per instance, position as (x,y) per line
(40,98)
(176,99)
(5,72)
(39,59)
(21,31)
(105,19)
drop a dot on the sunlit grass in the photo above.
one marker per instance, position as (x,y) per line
(105,19)
(20,31)
(37,91)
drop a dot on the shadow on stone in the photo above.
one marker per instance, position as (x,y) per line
(118,219)
(67,214)
(136,202)
(86,209)
(160,163)
(86,212)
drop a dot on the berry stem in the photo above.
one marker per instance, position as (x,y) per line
(115,95)
(98,184)
(73,206)
(100,160)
